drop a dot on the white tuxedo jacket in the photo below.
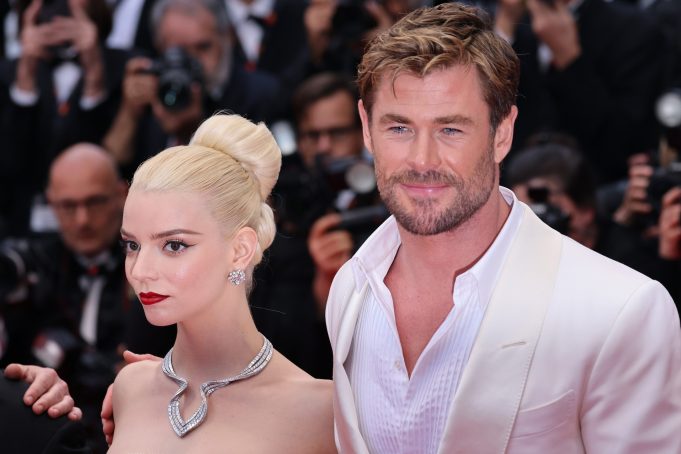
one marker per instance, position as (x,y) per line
(576,353)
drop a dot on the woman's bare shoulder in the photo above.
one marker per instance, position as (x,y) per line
(307,403)
(136,374)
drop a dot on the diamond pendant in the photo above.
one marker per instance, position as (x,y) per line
(179,425)
(182,427)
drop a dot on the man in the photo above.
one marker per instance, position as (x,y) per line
(64,88)
(64,299)
(464,324)
(590,68)
(294,283)
(62,278)
(328,134)
(145,124)
(270,36)
(555,180)
(25,432)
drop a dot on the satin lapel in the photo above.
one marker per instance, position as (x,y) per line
(488,397)
(348,437)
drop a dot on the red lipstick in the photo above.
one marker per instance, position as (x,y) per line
(151,298)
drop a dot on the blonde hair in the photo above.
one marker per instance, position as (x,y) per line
(430,39)
(231,161)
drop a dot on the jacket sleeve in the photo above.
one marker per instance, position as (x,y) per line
(632,402)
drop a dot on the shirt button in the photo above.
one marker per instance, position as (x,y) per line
(398,364)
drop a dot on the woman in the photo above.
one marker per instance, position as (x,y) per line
(195,224)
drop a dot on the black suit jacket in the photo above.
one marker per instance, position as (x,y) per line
(284,51)
(23,432)
(605,98)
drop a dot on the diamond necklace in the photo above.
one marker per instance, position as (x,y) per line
(181,427)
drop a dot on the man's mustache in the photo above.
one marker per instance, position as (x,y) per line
(429,177)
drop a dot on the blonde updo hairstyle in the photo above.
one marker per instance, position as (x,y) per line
(234,163)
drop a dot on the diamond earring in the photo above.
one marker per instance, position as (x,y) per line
(236,276)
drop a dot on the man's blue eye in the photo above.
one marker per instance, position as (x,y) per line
(451,131)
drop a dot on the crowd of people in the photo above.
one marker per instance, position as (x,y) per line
(90,89)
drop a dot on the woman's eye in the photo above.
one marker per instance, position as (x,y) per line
(129,246)
(175,246)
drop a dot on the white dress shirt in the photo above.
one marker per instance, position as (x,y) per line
(403,414)
(126,18)
(249,32)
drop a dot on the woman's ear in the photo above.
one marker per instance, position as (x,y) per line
(244,244)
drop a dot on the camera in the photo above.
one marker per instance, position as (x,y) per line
(352,20)
(48,11)
(552,216)
(176,71)
(662,180)
(346,185)
(351,183)
(53,8)
(668,174)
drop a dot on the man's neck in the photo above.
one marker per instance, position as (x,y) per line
(453,252)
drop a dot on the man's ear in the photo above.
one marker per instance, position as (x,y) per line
(244,244)
(365,126)
(503,137)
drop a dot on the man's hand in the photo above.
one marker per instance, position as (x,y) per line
(380,14)
(80,32)
(670,225)
(46,391)
(139,87)
(329,249)
(318,23)
(108,425)
(35,40)
(635,202)
(181,123)
(556,27)
(507,16)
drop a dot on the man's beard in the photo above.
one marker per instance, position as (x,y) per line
(424,217)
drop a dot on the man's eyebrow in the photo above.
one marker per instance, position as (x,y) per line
(455,119)
(394,118)
(449,119)
(165,234)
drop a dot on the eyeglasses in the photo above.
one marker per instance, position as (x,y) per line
(335,134)
(69,207)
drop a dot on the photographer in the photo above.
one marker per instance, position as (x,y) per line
(591,69)
(165,99)
(64,299)
(337,30)
(311,183)
(329,135)
(62,89)
(569,184)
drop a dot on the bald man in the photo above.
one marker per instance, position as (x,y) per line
(64,297)
(87,197)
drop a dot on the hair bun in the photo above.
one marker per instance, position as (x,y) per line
(251,145)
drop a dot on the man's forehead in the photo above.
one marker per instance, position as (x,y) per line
(393,80)
(445,92)
(186,31)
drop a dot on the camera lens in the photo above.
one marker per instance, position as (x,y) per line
(177,72)
(174,94)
